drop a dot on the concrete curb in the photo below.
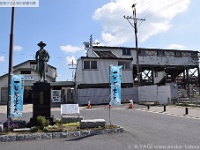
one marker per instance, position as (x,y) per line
(57,135)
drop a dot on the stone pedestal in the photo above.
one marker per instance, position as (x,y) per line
(41,102)
(70,119)
(92,123)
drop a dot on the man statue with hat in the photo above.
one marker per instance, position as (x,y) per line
(42,57)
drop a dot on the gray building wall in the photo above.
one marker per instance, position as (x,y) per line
(101,74)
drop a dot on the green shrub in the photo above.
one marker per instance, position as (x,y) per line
(42,122)
(34,129)
(58,121)
(47,122)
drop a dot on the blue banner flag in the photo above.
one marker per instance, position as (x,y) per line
(115,84)
(17,92)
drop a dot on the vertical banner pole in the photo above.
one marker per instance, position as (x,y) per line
(10,70)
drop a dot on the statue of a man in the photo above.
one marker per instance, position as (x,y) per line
(42,57)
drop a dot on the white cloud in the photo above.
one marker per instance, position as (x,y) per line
(17,48)
(2,58)
(70,49)
(158,15)
(176,46)
(69,60)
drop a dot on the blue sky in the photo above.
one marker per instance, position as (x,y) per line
(65,24)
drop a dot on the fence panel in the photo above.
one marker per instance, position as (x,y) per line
(101,95)
(147,93)
(164,94)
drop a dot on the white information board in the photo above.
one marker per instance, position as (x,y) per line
(69,109)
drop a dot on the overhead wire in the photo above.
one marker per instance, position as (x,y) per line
(163,8)
(117,22)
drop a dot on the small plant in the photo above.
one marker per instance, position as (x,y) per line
(34,129)
(51,128)
(42,122)
(47,122)
(13,124)
(58,121)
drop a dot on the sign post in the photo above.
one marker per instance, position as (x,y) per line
(17,92)
(115,74)
(115,84)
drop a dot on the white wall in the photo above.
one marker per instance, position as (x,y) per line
(101,74)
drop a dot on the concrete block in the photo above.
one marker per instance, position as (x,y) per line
(69,119)
(92,123)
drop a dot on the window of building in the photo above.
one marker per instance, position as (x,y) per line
(160,53)
(4,94)
(90,65)
(126,65)
(25,72)
(178,54)
(86,64)
(93,64)
(126,52)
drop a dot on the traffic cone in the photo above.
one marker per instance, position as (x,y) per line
(131,104)
(89,105)
(109,106)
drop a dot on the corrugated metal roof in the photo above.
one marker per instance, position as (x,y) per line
(105,54)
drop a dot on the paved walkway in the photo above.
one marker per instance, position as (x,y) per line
(193,112)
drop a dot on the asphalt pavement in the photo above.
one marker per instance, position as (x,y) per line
(144,129)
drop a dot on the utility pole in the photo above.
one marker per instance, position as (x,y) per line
(73,67)
(136,40)
(10,70)
(89,45)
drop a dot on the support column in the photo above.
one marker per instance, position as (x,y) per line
(152,73)
(198,84)
(187,82)
(184,80)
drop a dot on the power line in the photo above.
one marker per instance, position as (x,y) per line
(121,28)
(163,8)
